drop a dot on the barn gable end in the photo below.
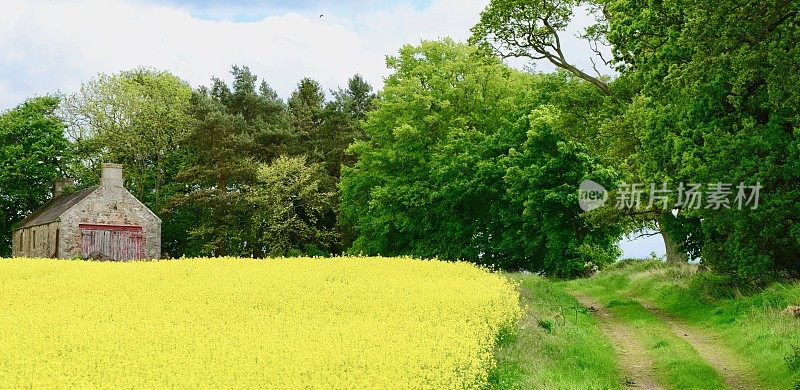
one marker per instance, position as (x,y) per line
(105,221)
(115,208)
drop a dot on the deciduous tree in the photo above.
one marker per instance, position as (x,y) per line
(33,154)
(448,167)
(291,206)
(137,118)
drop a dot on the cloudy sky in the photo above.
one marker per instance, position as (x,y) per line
(53,46)
(50,46)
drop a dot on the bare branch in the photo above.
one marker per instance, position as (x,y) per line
(557,40)
(594,66)
(645,235)
(534,36)
(594,46)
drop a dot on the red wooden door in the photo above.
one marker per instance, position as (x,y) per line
(111,242)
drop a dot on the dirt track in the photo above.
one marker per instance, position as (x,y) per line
(632,356)
(735,372)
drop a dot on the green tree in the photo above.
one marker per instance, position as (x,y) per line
(33,154)
(542,176)
(610,125)
(719,103)
(138,118)
(235,129)
(531,29)
(290,205)
(305,105)
(340,126)
(326,129)
(444,168)
(356,100)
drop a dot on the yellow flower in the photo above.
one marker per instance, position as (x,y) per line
(279,323)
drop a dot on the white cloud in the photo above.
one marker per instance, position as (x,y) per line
(404,24)
(49,46)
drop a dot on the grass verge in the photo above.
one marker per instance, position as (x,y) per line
(676,365)
(749,323)
(556,345)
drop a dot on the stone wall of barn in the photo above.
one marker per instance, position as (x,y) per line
(110,205)
(35,241)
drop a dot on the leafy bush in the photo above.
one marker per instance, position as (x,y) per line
(546,325)
(793,359)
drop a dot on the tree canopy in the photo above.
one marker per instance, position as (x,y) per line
(460,156)
(33,154)
(462,161)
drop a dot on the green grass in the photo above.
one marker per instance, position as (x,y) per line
(556,346)
(676,365)
(749,323)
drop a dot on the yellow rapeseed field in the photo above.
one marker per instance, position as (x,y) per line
(241,323)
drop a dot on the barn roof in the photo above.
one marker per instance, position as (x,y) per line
(53,209)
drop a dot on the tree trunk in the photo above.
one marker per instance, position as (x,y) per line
(594,80)
(159,175)
(222,184)
(219,214)
(675,255)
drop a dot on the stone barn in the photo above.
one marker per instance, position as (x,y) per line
(101,222)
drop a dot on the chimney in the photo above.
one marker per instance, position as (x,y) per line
(111,175)
(60,185)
